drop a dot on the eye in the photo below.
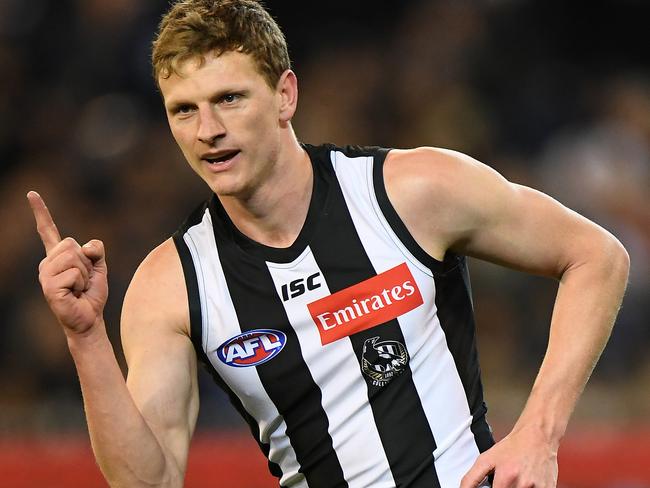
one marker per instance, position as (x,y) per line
(230,98)
(184,109)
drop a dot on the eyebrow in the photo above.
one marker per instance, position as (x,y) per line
(175,106)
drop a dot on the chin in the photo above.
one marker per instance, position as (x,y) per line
(226,189)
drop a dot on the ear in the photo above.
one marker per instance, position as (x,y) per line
(287,90)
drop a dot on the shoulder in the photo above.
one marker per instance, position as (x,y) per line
(426,168)
(162,261)
(157,294)
(439,193)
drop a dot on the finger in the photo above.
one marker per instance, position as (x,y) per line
(504,478)
(67,246)
(44,222)
(477,473)
(65,261)
(94,251)
(70,281)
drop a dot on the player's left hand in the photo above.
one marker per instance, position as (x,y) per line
(525,458)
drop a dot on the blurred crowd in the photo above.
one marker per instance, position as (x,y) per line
(553,95)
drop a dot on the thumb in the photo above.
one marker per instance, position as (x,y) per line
(477,474)
(94,250)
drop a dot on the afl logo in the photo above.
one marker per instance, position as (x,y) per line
(252,348)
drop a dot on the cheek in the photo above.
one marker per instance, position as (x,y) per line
(183,139)
(265,126)
(185,144)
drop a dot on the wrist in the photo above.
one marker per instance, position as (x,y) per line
(546,434)
(547,422)
(90,338)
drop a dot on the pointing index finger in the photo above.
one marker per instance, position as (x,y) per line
(44,222)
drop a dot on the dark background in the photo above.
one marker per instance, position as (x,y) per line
(555,95)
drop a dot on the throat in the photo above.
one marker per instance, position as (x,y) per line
(275,215)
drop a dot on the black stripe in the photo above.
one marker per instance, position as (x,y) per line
(456,316)
(288,382)
(399,416)
(196,332)
(192,286)
(191,280)
(454,303)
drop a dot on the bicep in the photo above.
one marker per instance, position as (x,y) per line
(164,387)
(161,360)
(450,201)
(522,228)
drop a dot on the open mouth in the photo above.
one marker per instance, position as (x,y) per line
(221,158)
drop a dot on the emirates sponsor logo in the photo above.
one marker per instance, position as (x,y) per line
(367,304)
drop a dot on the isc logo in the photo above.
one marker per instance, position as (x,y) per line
(251,348)
(299,286)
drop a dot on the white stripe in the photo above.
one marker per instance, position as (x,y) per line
(434,372)
(335,369)
(219,324)
(456,459)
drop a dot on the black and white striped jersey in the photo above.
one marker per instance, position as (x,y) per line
(351,354)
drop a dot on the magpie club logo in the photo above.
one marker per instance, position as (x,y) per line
(252,348)
(382,361)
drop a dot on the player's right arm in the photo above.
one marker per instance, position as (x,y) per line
(140,429)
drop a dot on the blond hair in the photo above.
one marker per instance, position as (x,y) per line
(194,28)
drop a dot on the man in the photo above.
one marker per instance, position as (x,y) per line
(325,289)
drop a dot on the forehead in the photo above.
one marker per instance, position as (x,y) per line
(210,71)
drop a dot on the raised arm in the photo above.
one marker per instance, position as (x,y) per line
(162,375)
(139,432)
(452,202)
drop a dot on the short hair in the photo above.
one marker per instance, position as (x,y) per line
(194,28)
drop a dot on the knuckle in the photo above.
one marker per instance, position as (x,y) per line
(70,243)
(44,226)
(47,289)
(510,476)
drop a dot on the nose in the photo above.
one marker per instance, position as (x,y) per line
(210,126)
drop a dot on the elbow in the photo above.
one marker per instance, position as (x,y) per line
(612,260)
(144,484)
(132,479)
(603,255)
(618,259)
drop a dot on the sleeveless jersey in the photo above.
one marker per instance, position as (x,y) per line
(351,354)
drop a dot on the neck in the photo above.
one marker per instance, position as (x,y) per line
(274,213)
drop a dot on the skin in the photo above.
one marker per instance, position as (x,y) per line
(449,201)
(141,428)
(226,104)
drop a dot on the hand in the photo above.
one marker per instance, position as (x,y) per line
(523,459)
(73,277)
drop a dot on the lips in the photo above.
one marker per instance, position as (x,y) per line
(219,157)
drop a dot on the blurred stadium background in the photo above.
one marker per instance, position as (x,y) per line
(553,94)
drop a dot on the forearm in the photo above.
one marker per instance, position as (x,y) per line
(125,447)
(587,302)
